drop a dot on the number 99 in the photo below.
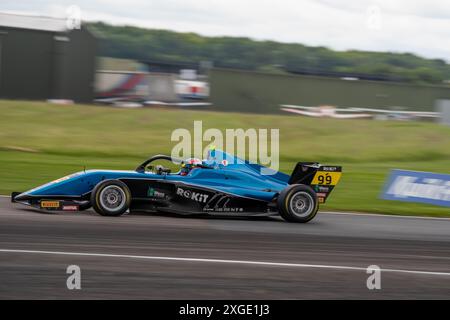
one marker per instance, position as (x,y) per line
(324,179)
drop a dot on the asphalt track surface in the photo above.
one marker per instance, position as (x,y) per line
(170,257)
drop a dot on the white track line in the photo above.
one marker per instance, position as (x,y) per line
(247,262)
(362,214)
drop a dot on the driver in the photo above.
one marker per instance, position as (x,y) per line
(190,164)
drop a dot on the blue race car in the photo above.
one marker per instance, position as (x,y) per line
(222,184)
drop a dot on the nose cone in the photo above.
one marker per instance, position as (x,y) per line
(17,196)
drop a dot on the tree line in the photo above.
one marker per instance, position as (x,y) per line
(268,56)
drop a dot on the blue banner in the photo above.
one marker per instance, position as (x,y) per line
(415,186)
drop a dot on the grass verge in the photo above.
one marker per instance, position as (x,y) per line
(40,142)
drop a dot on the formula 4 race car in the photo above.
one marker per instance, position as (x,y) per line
(222,184)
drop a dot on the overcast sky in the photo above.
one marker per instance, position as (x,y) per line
(420,27)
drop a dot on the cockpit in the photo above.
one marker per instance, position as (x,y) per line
(171,165)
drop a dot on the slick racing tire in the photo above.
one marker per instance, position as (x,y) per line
(111,198)
(297,203)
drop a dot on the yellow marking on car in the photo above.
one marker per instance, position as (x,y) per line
(326,178)
(49,204)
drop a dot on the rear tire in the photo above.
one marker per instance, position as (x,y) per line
(297,203)
(111,198)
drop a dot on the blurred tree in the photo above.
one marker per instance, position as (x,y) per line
(243,53)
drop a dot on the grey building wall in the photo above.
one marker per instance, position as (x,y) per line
(74,68)
(25,64)
(37,64)
(245,91)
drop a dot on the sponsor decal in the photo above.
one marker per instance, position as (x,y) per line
(70,208)
(55,181)
(223,209)
(50,204)
(224,162)
(67,177)
(321,194)
(61,179)
(329,168)
(323,189)
(413,186)
(192,195)
(152,193)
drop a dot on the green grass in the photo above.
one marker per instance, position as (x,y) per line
(40,142)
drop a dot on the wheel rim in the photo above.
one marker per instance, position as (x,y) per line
(301,204)
(113,198)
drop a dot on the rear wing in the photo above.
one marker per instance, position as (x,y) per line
(322,178)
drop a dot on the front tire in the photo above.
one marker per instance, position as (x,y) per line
(111,198)
(297,203)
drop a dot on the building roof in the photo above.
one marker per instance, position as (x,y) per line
(32,22)
(170,67)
